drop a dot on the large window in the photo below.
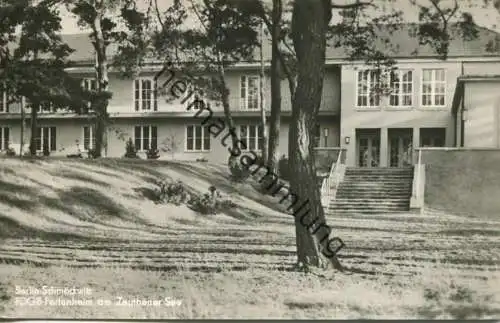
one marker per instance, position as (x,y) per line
(145,97)
(4,138)
(46,137)
(88,138)
(145,138)
(433,87)
(249,92)
(197,138)
(401,82)
(368,88)
(251,136)
(432,137)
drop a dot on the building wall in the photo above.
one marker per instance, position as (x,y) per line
(174,130)
(123,94)
(385,117)
(482,114)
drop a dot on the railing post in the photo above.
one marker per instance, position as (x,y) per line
(419,162)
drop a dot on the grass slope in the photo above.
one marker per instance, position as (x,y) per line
(91,224)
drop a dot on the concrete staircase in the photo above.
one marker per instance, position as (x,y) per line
(373,190)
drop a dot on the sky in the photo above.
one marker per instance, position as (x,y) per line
(486,16)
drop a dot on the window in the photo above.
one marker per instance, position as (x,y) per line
(4,138)
(145,138)
(432,137)
(249,92)
(251,136)
(401,82)
(368,87)
(45,137)
(197,138)
(433,87)
(89,85)
(145,96)
(4,107)
(88,138)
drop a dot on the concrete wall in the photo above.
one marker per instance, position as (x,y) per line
(462,181)
(482,114)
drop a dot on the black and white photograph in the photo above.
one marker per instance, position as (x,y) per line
(249,159)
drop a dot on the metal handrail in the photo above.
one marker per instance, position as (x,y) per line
(326,186)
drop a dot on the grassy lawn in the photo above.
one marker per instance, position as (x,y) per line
(91,224)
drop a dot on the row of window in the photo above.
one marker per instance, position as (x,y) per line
(372,84)
(145,96)
(145,137)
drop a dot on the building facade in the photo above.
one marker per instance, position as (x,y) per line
(379,119)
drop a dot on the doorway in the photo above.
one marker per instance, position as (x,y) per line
(400,147)
(368,147)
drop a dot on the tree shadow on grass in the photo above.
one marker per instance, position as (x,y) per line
(9,196)
(10,228)
(90,205)
(79,177)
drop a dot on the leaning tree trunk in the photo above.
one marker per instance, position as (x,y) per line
(309,26)
(103,87)
(233,161)
(23,120)
(34,111)
(274,119)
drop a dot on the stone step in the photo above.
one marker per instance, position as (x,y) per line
(377,177)
(374,204)
(377,197)
(354,212)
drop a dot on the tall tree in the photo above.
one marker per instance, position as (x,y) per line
(33,65)
(222,35)
(102,17)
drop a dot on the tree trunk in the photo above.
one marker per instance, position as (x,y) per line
(23,120)
(102,87)
(34,111)
(274,120)
(309,26)
(261,89)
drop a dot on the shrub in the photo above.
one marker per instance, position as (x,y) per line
(209,203)
(284,168)
(130,151)
(46,151)
(202,160)
(153,153)
(92,153)
(10,152)
(238,171)
(174,193)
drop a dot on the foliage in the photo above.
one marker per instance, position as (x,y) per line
(238,171)
(210,203)
(46,150)
(130,151)
(10,152)
(153,153)
(173,193)
(92,153)
(284,168)
(202,160)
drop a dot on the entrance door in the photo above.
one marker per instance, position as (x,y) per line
(368,151)
(401,151)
